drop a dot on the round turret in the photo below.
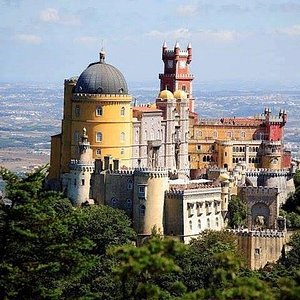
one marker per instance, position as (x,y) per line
(101,78)
(180,94)
(166,94)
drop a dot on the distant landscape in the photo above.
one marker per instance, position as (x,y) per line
(31,113)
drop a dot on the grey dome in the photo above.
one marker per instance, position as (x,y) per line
(101,78)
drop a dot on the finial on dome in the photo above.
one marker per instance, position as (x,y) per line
(102,55)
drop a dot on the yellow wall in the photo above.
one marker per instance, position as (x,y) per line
(206,141)
(111,124)
(54,170)
(66,126)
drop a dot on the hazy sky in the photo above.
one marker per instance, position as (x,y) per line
(232,40)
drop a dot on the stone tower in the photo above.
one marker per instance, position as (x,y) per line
(177,74)
(148,202)
(98,101)
(79,178)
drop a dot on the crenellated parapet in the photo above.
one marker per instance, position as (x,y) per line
(268,172)
(259,191)
(72,80)
(101,97)
(152,173)
(267,233)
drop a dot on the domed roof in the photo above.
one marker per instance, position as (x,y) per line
(224,177)
(166,94)
(101,78)
(180,94)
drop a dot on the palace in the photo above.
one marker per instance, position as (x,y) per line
(161,163)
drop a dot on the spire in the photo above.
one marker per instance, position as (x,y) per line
(165,44)
(189,46)
(177,45)
(102,55)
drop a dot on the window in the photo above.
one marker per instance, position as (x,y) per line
(229,134)
(257,251)
(122,151)
(198,147)
(77,110)
(128,203)
(99,137)
(243,134)
(217,222)
(122,136)
(199,134)
(122,111)
(191,225)
(98,151)
(183,88)
(76,136)
(208,223)
(82,182)
(199,224)
(137,135)
(99,111)
(142,190)
(129,184)
(215,134)
(114,202)
(142,210)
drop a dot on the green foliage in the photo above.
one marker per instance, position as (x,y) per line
(50,249)
(297,179)
(237,211)
(141,267)
(198,261)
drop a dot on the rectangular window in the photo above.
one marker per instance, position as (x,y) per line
(77,110)
(198,147)
(82,181)
(99,111)
(141,191)
(98,151)
(99,137)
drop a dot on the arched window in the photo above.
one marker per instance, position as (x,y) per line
(122,136)
(128,203)
(122,111)
(208,223)
(129,184)
(77,110)
(204,158)
(76,136)
(99,137)
(114,202)
(99,111)
(142,210)
(191,224)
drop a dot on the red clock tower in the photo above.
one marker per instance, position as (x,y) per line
(176,74)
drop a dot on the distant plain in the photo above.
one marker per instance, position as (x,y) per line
(31,113)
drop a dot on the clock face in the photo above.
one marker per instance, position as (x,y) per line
(170,63)
(182,64)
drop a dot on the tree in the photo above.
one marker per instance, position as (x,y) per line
(50,249)
(237,211)
(141,268)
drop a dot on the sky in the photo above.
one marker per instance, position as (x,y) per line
(250,40)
